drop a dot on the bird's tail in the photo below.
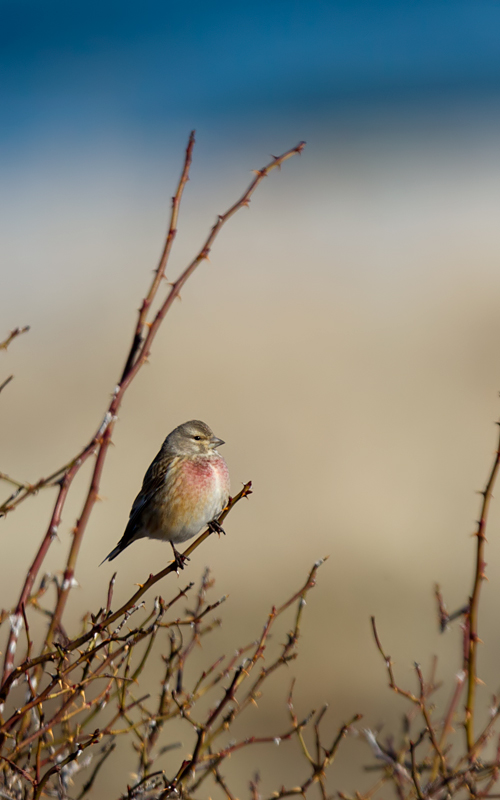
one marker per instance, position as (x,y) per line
(115,552)
(129,536)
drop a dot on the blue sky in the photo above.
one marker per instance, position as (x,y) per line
(68,69)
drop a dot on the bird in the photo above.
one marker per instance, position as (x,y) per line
(185,488)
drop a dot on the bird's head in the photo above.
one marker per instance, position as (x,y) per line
(191,439)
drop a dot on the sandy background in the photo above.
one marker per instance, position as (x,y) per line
(343,340)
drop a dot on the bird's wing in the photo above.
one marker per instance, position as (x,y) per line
(154,480)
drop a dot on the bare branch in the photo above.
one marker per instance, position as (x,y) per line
(13,335)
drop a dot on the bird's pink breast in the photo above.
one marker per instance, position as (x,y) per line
(194,496)
(206,472)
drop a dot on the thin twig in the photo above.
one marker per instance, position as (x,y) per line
(102,439)
(13,335)
(479,576)
(153,579)
(6,382)
(45,730)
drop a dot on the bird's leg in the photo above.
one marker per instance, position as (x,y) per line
(216,527)
(179,558)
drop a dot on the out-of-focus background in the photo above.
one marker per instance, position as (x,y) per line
(344,339)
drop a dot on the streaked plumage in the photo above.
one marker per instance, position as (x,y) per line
(185,489)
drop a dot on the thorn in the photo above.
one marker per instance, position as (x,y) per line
(6,382)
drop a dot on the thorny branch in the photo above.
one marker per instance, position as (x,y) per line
(73,696)
(479,576)
(99,444)
(13,335)
(431,765)
(4,345)
(96,680)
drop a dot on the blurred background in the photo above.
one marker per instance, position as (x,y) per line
(344,339)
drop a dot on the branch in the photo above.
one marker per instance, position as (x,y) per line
(6,382)
(479,576)
(138,355)
(143,588)
(160,270)
(13,335)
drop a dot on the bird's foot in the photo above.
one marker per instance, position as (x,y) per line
(216,527)
(179,558)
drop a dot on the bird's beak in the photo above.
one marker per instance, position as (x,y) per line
(215,442)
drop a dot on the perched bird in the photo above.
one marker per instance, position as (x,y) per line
(185,489)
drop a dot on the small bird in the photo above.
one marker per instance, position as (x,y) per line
(185,489)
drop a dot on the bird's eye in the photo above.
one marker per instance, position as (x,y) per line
(197,438)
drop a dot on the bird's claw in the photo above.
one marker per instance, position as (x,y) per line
(179,559)
(216,527)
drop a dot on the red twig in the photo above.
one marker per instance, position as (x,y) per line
(74,645)
(138,355)
(479,576)
(16,619)
(13,335)
(160,270)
